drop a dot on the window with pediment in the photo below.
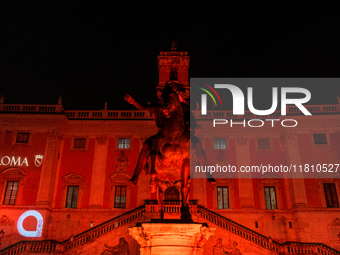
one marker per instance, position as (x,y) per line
(270,192)
(270,197)
(222,198)
(11,192)
(120,190)
(329,189)
(223,193)
(73,185)
(12,186)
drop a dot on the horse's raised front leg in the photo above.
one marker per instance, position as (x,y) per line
(153,155)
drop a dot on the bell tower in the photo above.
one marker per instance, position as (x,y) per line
(173,65)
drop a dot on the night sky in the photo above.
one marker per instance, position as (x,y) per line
(94,52)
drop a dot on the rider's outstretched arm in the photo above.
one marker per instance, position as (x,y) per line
(136,104)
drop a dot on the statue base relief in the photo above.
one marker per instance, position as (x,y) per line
(171,237)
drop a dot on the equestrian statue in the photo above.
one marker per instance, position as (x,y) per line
(166,155)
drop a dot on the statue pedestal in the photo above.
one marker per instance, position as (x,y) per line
(171,237)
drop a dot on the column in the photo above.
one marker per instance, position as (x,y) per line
(245,186)
(48,171)
(297,190)
(99,172)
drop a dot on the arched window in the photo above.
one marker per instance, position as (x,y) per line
(171,194)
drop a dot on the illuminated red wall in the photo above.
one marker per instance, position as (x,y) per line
(36,146)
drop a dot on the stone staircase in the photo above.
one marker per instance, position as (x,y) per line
(55,247)
(266,243)
(263,241)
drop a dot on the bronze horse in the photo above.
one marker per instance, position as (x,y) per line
(170,155)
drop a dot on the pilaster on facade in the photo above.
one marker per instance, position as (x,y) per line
(49,168)
(295,181)
(99,171)
(245,183)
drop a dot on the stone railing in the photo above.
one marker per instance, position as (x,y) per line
(106,114)
(104,228)
(315,109)
(26,247)
(291,110)
(80,239)
(238,229)
(169,206)
(151,206)
(76,114)
(172,207)
(307,248)
(136,114)
(52,246)
(27,108)
(263,241)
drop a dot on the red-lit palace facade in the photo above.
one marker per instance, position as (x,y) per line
(64,180)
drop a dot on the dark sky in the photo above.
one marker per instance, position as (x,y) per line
(90,53)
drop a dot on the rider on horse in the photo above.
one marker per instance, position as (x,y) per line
(157,113)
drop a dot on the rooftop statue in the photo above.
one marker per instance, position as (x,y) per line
(173,45)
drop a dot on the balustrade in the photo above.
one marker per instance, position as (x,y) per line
(263,241)
(172,207)
(30,108)
(136,114)
(51,246)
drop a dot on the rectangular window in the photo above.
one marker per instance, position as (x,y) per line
(320,139)
(120,197)
(11,193)
(270,197)
(330,195)
(22,137)
(72,197)
(220,144)
(123,143)
(79,143)
(264,144)
(222,198)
